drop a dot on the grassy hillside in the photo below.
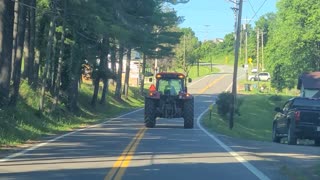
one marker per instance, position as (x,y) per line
(224,59)
(203,71)
(26,123)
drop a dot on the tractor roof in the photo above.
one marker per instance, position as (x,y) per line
(170,75)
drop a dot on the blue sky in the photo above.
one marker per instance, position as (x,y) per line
(211,19)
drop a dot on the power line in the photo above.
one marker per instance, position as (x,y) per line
(258,10)
(252,8)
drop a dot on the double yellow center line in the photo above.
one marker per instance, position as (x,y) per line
(212,83)
(119,167)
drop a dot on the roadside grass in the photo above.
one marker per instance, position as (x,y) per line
(26,123)
(203,71)
(256,112)
(255,119)
(221,59)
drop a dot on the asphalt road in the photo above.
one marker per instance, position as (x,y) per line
(121,148)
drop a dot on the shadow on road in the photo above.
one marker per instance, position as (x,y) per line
(167,151)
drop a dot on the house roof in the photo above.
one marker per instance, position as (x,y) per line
(309,80)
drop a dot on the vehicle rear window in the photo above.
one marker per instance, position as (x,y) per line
(307,103)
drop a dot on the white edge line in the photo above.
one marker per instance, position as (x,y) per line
(7,158)
(244,162)
(231,83)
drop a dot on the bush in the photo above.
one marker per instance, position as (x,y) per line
(224,101)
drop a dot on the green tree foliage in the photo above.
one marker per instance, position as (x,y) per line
(186,51)
(68,32)
(294,40)
(206,51)
(227,46)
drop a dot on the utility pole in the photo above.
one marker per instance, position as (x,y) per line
(236,58)
(207,38)
(235,10)
(156,59)
(184,54)
(262,46)
(246,56)
(258,43)
(184,60)
(246,48)
(207,32)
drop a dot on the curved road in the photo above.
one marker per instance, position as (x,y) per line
(121,148)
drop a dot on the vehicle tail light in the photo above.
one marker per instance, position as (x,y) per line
(297,116)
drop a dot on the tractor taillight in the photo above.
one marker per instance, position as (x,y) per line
(297,116)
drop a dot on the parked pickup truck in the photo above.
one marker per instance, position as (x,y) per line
(298,119)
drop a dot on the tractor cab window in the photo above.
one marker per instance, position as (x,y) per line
(169,86)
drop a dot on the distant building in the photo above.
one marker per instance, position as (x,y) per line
(309,85)
(218,40)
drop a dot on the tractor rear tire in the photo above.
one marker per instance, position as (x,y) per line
(149,113)
(188,113)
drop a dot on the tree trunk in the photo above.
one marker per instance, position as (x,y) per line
(119,76)
(18,53)
(36,71)
(127,76)
(47,63)
(96,76)
(104,57)
(96,81)
(6,39)
(144,61)
(15,32)
(53,66)
(59,67)
(26,45)
(73,89)
(32,34)
(113,53)
(104,91)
